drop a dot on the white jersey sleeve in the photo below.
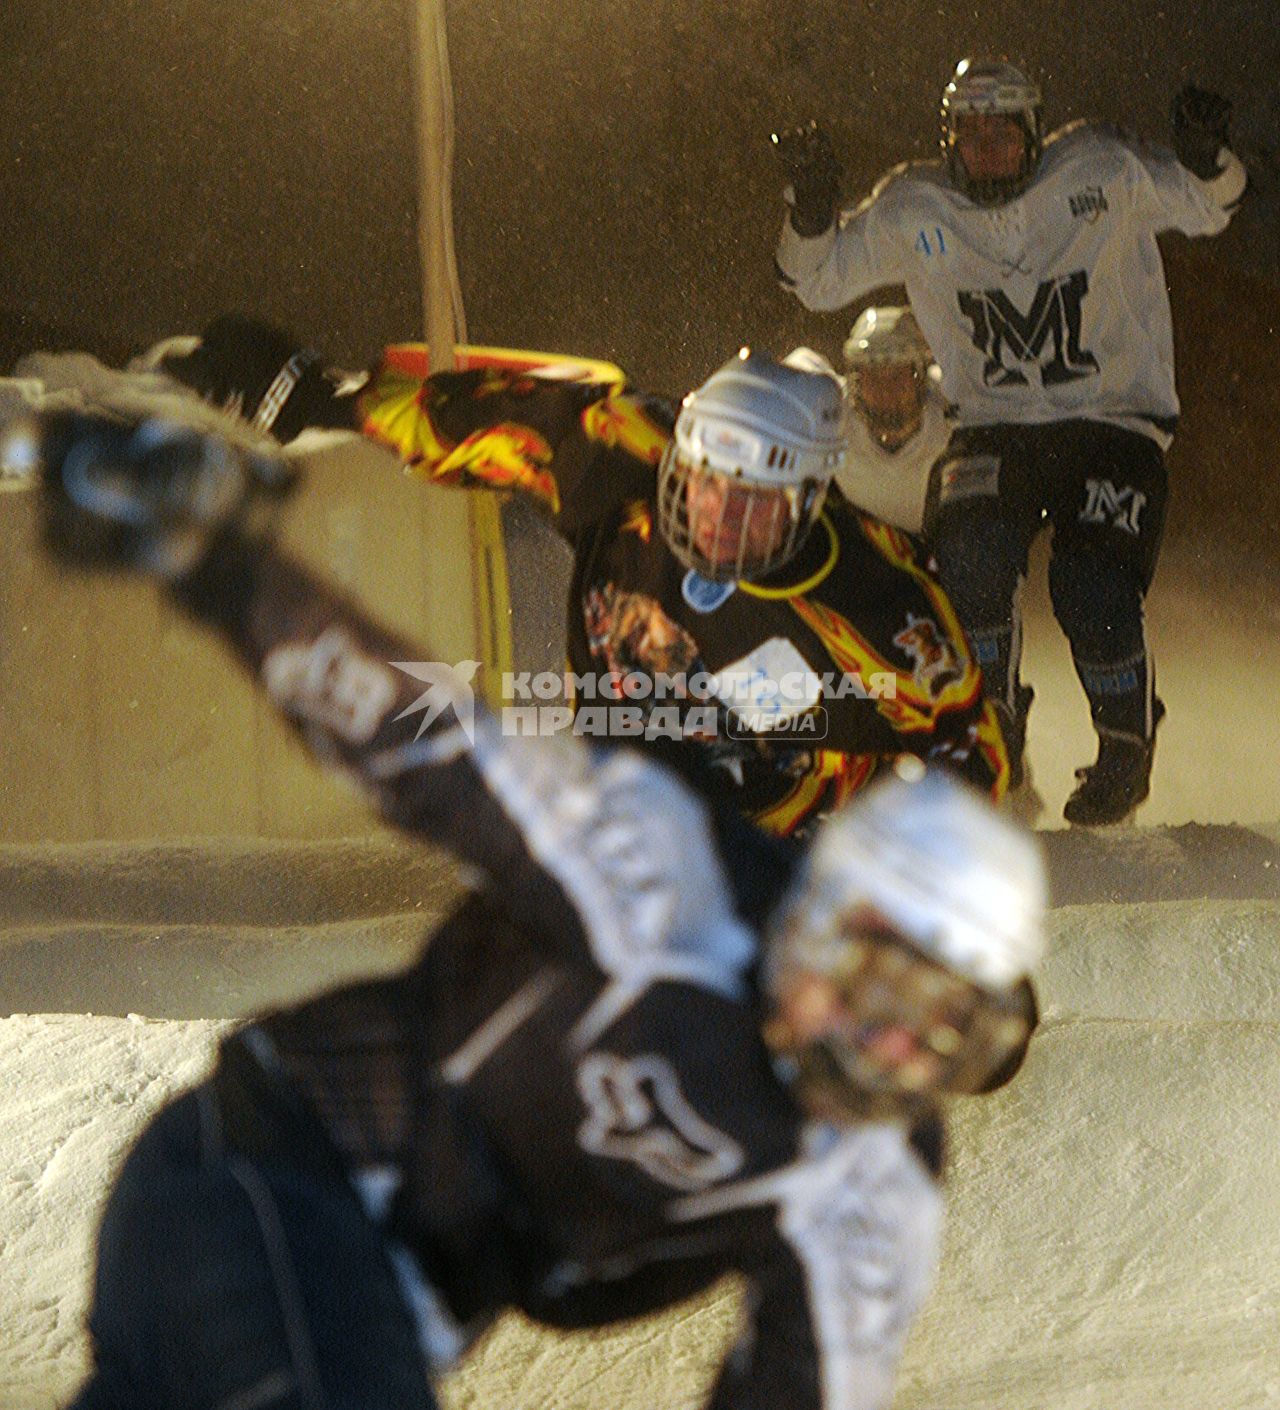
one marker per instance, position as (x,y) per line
(1170,197)
(860,1220)
(859,252)
(866,1229)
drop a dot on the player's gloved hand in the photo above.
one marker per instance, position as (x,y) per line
(149,494)
(1201,128)
(811,167)
(260,373)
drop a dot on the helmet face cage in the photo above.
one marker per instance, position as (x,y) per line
(742,481)
(992,89)
(881,343)
(867,1023)
(890,405)
(725,527)
(895,964)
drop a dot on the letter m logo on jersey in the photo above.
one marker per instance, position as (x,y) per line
(1047,336)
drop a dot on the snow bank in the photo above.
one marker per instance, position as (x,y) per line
(76,1091)
(1112,1241)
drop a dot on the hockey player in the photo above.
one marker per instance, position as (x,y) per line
(706,549)
(1032,267)
(598,1090)
(898,428)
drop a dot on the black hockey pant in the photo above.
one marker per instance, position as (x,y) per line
(233,1279)
(1103,491)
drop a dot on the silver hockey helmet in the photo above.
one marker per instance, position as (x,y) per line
(981,98)
(745,474)
(887,361)
(894,968)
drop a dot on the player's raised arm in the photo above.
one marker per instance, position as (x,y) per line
(546,818)
(825,257)
(1201,122)
(565,432)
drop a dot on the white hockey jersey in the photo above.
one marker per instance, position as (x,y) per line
(1048,307)
(892,484)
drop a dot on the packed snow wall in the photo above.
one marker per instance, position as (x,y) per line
(1111,1241)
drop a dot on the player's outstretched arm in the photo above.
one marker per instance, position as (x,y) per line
(826,263)
(264,375)
(606,850)
(509,421)
(1201,121)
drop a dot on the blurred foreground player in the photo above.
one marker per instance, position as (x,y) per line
(603,1085)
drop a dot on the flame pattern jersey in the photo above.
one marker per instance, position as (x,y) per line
(857,617)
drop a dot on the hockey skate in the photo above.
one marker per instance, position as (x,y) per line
(1013,726)
(1109,790)
(1025,802)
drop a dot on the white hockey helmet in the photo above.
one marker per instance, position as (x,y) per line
(886,334)
(887,362)
(895,967)
(809,360)
(992,87)
(745,474)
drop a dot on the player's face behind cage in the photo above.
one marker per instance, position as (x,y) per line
(889,397)
(727,528)
(992,130)
(992,146)
(872,1021)
(742,480)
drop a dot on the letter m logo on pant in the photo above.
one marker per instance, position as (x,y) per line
(1105,504)
(1009,339)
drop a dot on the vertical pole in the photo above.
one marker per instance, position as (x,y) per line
(444,327)
(440,306)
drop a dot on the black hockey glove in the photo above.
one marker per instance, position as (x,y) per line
(148,494)
(810,164)
(1201,128)
(261,374)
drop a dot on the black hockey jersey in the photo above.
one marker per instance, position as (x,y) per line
(877,662)
(567,1105)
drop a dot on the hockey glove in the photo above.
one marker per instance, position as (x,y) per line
(810,164)
(260,373)
(148,494)
(1201,128)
